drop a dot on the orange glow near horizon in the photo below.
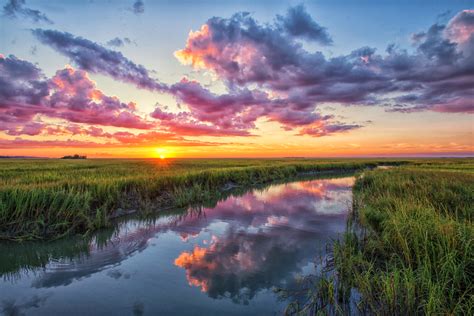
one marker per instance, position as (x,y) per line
(383,137)
(162,153)
(278,151)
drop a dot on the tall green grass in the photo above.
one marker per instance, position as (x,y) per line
(409,248)
(42,199)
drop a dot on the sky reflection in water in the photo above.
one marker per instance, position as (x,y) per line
(224,259)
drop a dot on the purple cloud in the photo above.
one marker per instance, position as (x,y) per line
(243,52)
(70,95)
(299,23)
(17,7)
(92,57)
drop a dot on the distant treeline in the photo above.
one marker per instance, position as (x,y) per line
(74,157)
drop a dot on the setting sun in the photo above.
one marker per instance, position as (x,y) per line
(162,153)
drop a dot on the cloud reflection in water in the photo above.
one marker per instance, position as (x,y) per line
(270,236)
(241,246)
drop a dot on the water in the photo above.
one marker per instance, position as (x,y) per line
(221,260)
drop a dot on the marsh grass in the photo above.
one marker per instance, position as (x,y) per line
(409,246)
(44,199)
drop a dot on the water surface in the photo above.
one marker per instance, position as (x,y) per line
(221,260)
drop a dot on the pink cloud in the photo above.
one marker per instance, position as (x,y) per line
(458,105)
(461,27)
(26,94)
(325,129)
(30,129)
(121,139)
(75,98)
(184,124)
(19,142)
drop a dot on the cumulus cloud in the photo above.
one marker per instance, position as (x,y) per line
(14,8)
(299,23)
(434,46)
(441,75)
(184,124)
(22,90)
(70,95)
(75,98)
(243,52)
(226,110)
(237,112)
(21,81)
(461,27)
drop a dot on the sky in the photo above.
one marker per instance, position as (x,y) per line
(138,78)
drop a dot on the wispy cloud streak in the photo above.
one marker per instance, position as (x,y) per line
(14,8)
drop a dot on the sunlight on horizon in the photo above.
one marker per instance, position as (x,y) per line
(163,153)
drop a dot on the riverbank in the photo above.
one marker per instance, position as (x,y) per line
(49,199)
(409,248)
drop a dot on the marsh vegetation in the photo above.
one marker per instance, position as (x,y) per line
(409,244)
(44,199)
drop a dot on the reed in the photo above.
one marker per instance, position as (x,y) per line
(409,247)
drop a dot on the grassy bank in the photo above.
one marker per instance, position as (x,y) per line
(42,199)
(410,246)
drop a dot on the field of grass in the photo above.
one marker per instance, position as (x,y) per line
(409,247)
(44,199)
